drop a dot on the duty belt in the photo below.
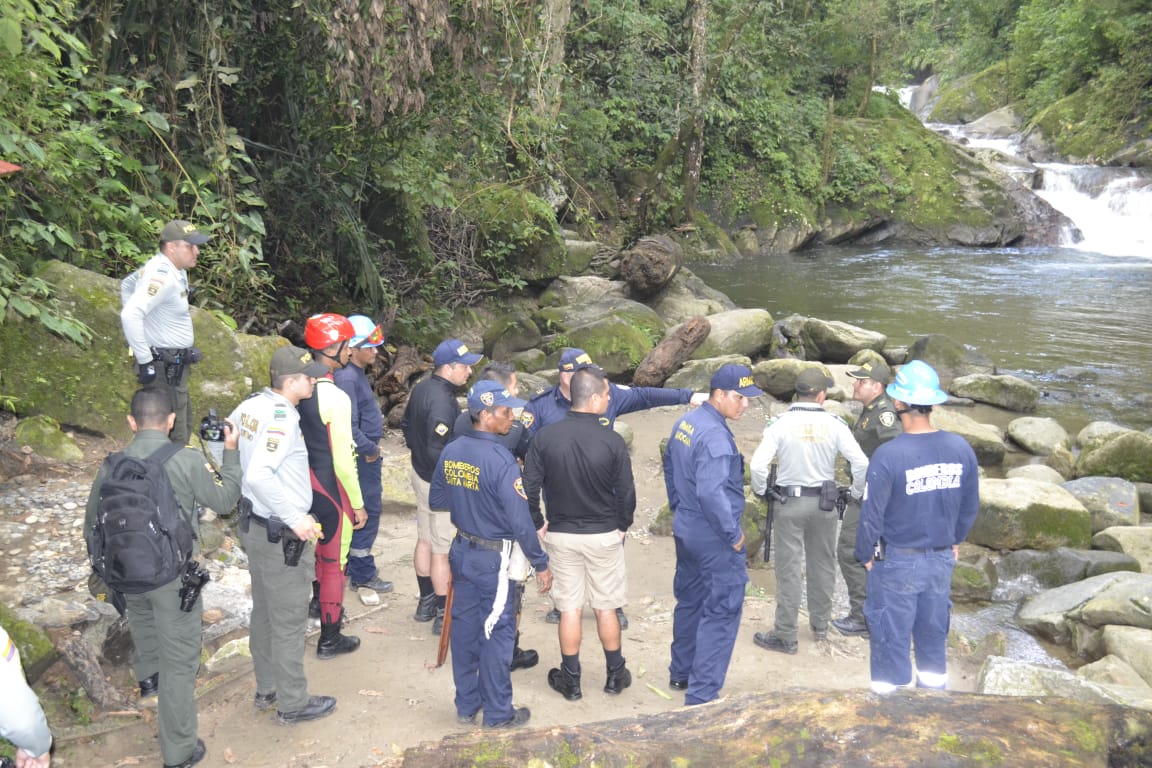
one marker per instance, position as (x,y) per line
(798,490)
(916,550)
(475,541)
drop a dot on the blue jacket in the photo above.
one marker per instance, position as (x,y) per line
(704,476)
(367,419)
(478,480)
(551,406)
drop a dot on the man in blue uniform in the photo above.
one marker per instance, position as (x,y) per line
(921,499)
(367,429)
(553,404)
(428,420)
(478,480)
(704,476)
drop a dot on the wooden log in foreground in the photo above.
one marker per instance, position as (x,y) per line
(804,729)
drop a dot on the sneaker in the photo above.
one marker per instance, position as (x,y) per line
(198,753)
(264,700)
(850,626)
(677,684)
(622,618)
(425,609)
(769,641)
(521,716)
(564,683)
(618,679)
(553,616)
(376,584)
(524,659)
(316,708)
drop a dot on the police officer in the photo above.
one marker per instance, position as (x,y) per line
(367,429)
(326,422)
(704,477)
(157,322)
(877,425)
(22,720)
(277,496)
(553,404)
(922,499)
(428,421)
(806,440)
(586,472)
(478,480)
(165,636)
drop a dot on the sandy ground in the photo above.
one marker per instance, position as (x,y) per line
(391,697)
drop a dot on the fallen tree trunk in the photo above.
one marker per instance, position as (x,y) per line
(81,659)
(804,729)
(672,352)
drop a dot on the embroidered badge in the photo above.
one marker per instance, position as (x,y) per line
(527,418)
(519,486)
(487,398)
(440,429)
(887,418)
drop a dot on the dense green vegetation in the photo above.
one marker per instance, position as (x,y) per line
(353,155)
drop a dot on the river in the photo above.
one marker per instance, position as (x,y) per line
(1075,323)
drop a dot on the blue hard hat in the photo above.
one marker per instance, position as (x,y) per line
(917,384)
(368,333)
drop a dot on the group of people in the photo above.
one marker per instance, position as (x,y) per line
(913,498)
(511,486)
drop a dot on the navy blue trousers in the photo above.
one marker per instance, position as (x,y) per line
(909,603)
(361,563)
(709,588)
(481,667)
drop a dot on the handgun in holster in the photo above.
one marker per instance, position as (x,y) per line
(293,545)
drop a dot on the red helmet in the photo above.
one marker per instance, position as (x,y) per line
(323,330)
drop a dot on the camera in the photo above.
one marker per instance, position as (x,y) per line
(212,427)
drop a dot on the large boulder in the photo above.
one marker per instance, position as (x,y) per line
(985,440)
(1009,392)
(1132,541)
(1112,670)
(778,377)
(651,265)
(1110,500)
(562,318)
(1127,455)
(509,334)
(1133,645)
(1062,565)
(950,358)
(1096,433)
(1061,460)
(615,343)
(1037,435)
(736,332)
(974,578)
(43,435)
(1127,602)
(64,385)
(687,296)
(1051,614)
(836,342)
(1039,472)
(1001,676)
(1026,514)
(37,651)
(507,215)
(585,289)
(696,375)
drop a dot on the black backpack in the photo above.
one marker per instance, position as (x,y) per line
(140,539)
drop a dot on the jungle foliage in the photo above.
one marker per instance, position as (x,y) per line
(339,150)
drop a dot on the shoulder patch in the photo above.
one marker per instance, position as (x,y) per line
(441,429)
(518,486)
(604,421)
(887,418)
(279,414)
(527,418)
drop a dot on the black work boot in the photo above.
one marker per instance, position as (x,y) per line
(316,708)
(426,608)
(523,659)
(618,679)
(332,643)
(438,624)
(150,686)
(314,603)
(565,683)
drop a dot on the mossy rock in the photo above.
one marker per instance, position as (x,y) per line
(1029,514)
(662,525)
(37,652)
(1129,455)
(949,358)
(615,344)
(968,98)
(519,232)
(974,578)
(43,435)
(1068,128)
(510,333)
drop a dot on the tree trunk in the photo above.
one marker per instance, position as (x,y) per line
(698,78)
(803,729)
(549,58)
(81,659)
(873,64)
(671,353)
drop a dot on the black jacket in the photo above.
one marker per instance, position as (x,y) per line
(585,473)
(428,422)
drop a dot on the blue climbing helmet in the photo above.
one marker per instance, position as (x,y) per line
(368,333)
(917,384)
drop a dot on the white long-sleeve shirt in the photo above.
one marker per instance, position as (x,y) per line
(274,457)
(22,720)
(156,314)
(807,439)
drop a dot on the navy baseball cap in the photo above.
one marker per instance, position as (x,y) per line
(491,394)
(737,378)
(454,351)
(574,358)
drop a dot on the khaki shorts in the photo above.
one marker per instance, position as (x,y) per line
(435,527)
(587,565)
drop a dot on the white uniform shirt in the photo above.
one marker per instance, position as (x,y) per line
(22,719)
(156,313)
(273,457)
(807,439)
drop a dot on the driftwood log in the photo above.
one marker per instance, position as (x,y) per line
(805,729)
(672,352)
(649,266)
(81,658)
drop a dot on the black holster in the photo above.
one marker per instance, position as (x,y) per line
(829,492)
(244,521)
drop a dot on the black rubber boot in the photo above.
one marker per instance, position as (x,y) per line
(314,604)
(332,643)
(523,659)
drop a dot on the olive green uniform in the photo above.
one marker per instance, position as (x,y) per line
(165,637)
(877,425)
